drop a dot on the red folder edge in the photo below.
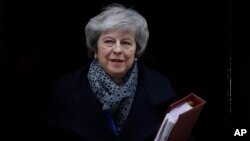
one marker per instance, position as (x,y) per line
(186,121)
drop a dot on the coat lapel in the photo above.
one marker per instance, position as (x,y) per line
(139,125)
(89,120)
(148,110)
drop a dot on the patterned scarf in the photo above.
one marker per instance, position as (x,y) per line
(115,99)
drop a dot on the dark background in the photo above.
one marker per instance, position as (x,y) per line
(190,42)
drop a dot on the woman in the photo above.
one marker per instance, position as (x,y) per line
(114,97)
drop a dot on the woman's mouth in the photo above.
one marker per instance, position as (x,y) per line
(116,60)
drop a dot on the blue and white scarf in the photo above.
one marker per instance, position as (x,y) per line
(115,99)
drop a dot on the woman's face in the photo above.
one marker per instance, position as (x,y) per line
(116,52)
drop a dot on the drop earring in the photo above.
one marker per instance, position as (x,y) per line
(95,56)
(136,59)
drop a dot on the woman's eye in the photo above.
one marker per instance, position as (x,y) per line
(108,41)
(126,43)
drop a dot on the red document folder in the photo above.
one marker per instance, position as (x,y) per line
(186,121)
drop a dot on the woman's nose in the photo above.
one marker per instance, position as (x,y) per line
(117,49)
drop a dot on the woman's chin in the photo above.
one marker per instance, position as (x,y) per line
(120,73)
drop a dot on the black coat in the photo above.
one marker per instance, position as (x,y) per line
(75,114)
